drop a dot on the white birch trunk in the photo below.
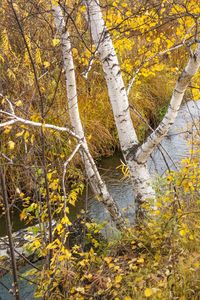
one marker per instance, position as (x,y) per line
(182,83)
(119,102)
(97,184)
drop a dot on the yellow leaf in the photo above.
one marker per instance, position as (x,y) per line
(118,279)
(108,259)
(157,212)
(55,2)
(36,243)
(140,260)
(88,276)
(191,237)
(148,292)
(26,136)
(11,74)
(182,232)
(7,129)
(32,139)
(35,117)
(55,42)
(38,57)
(128,298)
(2,59)
(65,220)
(80,289)
(11,145)
(22,215)
(54,184)
(19,133)
(195,93)
(89,137)
(18,103)
(46,64)
(59,227)
(67,210)
(67,254)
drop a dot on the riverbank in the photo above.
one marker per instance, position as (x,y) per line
(173,148)
(160,256)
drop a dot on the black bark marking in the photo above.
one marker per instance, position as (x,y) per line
(130,153)
(179,92)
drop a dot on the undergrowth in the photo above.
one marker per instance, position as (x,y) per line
(156,259)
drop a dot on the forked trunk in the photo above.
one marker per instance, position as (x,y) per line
(136,156)
(120,105)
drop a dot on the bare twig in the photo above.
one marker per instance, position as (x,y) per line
(183,43)
(131,82)
(16,119)
(7,158)
(64,173)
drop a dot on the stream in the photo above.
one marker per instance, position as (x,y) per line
(174,147)
(168,156)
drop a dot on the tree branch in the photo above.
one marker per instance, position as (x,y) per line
(16,119)
(131,82)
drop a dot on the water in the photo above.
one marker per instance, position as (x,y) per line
(26,289)
(177,143)
(174,147)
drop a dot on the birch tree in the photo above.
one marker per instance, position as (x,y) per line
(98,186)
(135,155)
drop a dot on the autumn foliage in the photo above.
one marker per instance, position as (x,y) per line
(159,257)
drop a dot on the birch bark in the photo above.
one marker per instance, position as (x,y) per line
(120,105)
(96,182)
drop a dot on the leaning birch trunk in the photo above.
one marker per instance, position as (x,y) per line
(182,83)
(120,105)
(97,184)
